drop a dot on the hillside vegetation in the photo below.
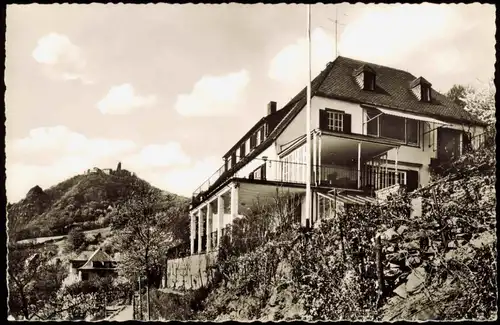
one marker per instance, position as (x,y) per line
(84,201)
(131,220)
(438,265)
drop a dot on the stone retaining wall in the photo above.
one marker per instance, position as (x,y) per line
(190,272)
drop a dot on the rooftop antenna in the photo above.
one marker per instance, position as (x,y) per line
(336,22)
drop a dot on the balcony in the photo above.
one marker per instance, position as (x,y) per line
(369,178)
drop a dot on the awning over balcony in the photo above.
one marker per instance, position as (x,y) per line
(410,116)
(336,148)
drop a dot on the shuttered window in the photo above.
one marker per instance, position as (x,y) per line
(253,140)
(336,121)
(242,150)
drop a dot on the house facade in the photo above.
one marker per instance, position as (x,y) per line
(374,129)
(92,264)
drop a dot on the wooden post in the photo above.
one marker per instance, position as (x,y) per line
(148,305)
(380,270)
(314,180)
(133,308)
(220,220)
(341,226)
(105,305)
(359,166)
(140,299)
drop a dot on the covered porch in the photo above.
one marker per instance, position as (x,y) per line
(211,220)
(342,160)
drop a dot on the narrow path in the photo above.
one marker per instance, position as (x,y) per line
(126,314)
(168,290)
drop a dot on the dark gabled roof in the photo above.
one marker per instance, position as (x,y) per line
(83,256)
(392,91)
(338,81)
(100,256)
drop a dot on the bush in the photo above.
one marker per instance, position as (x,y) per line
(76,238)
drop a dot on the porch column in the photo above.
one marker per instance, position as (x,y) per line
(209,226)
(314,180)
(359,165)
(396,166)
(386,170)
(319,158)
(200,228)
(193,232)
(220,212)
(234,202)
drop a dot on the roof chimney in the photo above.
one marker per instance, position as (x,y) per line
(271,108)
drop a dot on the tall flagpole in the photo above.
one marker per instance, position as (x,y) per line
(308,120)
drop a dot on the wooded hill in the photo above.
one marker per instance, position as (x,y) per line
(86,201)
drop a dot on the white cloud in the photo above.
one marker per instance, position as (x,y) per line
(61,58)
(390,34)
(49,155)
(159,155)
(60,139)
(122,100)
(290,64)
(214,95)
(183,180)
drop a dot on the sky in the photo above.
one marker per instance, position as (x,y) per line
(167,89)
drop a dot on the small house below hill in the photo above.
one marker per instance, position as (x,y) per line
(89,265)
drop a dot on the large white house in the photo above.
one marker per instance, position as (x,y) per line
(374,128)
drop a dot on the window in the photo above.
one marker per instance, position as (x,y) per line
(258,134)
(412,132)
(426,93)
(260,173)
(97,264)
(293,166)
(253,140)
(372,125)
(257,174)
(393,127)
(386,179)
(335,121)
(233,159)
(242,150)
(368,81)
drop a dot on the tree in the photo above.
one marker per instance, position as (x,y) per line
(33,281)
(481,102)
(457,94)
(76,238)
(146,226)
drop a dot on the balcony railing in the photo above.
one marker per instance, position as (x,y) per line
(295,173)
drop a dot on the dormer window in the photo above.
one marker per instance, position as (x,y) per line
(426,93)
(422,89)
(365,77)
(369,81)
